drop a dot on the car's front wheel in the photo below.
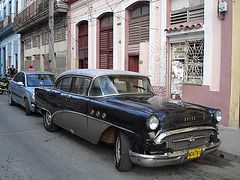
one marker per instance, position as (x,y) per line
(48,123)
(121,152)
(27,108)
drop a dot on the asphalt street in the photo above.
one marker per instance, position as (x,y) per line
(29,152)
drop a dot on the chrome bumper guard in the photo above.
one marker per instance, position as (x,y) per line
(33,107)
(166,159)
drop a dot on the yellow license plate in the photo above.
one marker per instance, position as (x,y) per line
(194,153)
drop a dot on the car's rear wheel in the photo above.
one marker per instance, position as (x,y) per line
(27,108)
(121,156)
(48,123)
(11,102)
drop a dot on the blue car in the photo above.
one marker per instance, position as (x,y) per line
(22,88)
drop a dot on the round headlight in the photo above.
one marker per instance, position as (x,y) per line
(218,115)
(152,122)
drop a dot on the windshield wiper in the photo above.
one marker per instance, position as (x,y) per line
(140,87)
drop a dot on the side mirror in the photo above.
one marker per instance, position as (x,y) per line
(20,83)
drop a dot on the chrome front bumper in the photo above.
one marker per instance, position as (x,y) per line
(33,107)
(166,159)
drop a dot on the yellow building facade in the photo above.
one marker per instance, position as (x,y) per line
(235,80)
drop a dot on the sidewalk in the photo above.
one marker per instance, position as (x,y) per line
(230,146)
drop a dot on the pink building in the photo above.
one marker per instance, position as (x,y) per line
(183,46)
(200,39)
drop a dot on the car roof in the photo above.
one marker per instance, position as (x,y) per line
(98,72)
(37,72)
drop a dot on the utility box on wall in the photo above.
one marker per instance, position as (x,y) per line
(222,7)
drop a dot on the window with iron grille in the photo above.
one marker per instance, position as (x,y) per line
(36,41)
(28,44)
(139,23)
(45,39)
(194,61)
(60,34)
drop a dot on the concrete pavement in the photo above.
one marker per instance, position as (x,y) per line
(230,146)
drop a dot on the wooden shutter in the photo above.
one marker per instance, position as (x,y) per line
(139,30)
(83,45)
(106,49)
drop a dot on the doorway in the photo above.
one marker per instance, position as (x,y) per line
(133,63)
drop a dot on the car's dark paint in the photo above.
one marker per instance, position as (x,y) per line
(96,117)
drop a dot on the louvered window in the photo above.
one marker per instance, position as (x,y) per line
(187,14)
(106,42)
(139,24)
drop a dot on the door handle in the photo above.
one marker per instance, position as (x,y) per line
(69,96)
(52,91)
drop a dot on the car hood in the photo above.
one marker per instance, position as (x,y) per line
(32,89)
(172,114)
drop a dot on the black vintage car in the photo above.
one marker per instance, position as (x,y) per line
(120,107)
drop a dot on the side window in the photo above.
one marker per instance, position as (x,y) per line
(20,78)
(58,85)
(23,79)
(16,78)
(81,86)
(66,84)
(95,90)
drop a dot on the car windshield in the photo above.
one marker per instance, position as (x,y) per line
(107,85)
(37,80)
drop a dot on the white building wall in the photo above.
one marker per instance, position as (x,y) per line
(4,43)
(11,38)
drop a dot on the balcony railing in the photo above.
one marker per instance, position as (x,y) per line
(36,8)
(6,22)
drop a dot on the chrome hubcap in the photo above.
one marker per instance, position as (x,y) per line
(9,98)
(118,150)
(48,118)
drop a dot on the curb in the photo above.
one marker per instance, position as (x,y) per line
(226,155)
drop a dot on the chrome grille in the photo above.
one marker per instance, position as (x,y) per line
(187,140)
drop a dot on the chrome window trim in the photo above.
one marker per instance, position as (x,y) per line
(93,79)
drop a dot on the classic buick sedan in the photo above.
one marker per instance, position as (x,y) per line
(120,107)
